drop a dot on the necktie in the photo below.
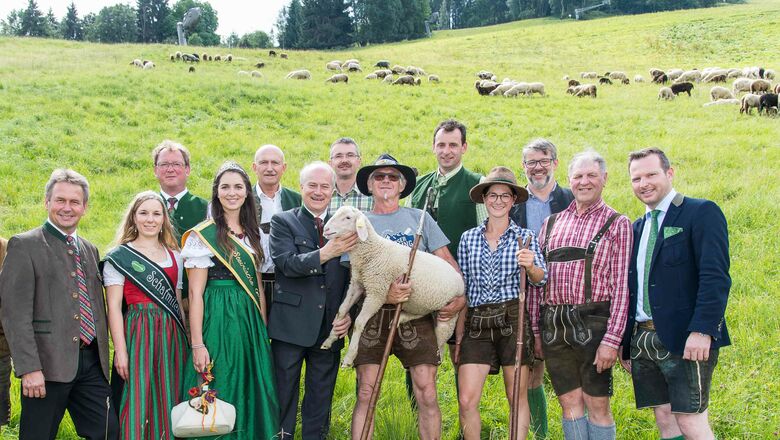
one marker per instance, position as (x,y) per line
(649,259)
(318,224)
(171,205)
(85,307)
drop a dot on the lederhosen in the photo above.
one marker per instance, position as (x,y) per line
(577,326)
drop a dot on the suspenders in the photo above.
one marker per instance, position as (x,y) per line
(571,253)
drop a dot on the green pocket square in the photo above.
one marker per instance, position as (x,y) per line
(670,231)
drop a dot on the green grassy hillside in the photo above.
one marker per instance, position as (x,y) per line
(78,105)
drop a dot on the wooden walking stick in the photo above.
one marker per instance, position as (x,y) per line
(369,421)
(514,417)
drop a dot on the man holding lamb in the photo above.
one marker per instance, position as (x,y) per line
(415,344)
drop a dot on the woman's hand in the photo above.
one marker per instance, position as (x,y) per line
(200,359)
(121,362)
(525,258)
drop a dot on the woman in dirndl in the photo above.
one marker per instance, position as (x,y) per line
(227,309)
(490,258)
(144,272)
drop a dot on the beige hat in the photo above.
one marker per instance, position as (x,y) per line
(502,175)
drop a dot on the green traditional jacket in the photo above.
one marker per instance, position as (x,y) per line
(190,211)
(456,212)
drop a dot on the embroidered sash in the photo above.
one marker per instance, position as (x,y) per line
(241,263)
(149,277)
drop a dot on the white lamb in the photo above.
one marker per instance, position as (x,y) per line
(666,94)
(618,75)
(673,74)
(742,85)
(719,92)
(749,102)
(721,102)
(769,74)
(535,87)
(518,89)
(638,79)
(689,76)
(376,262)
(502,88)
(589,75)
(333,65)
(299,74)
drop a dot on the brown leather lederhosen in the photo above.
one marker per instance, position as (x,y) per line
(580,332)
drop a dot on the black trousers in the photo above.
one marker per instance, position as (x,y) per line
(321,369)
(87,398)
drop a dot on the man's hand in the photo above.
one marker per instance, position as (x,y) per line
(452,308)
(341,327)
(538,352)
(34,384)
(525,258)
(399,292)
(697,347)
(625,363)
(338,246)
(605,358)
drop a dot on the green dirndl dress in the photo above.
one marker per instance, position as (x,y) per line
(238,346)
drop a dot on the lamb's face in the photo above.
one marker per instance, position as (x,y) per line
(343,221)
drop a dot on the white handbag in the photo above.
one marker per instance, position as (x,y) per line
(189,420)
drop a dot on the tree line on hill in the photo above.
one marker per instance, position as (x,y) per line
(320,24)
(150,21)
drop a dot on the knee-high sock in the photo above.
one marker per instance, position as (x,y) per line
(537,402)
(576,429)
(679,437)
(596,432)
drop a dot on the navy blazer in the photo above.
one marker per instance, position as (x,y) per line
(307,295)
(689,275)
(561,199)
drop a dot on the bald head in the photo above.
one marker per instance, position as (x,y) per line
(269,166)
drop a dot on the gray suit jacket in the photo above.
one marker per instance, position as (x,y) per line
(307,294)
(40,305)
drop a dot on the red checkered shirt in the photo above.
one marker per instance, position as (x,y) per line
(565,282)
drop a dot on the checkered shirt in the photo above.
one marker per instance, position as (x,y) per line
(352,198)
(565,284)
(493,277)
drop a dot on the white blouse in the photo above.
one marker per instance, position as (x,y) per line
(112,277)
(196,254)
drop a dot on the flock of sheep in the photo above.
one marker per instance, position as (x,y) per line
(755,82)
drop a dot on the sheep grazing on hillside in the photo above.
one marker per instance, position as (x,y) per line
(190,58)
(518,89)
(625,81)
(191,69)
(682,87)
(767,101)
(333,65)
(371,76)
(661,79)
(734,73)
(655,72)
(673,74)
(299,74)
(565,78)
(719,92)
(348,62)
(741,85)
(485,86)
(721,102)
(407,80)
(718,79)
(173,57)
(259,65)
(748,103)
(535,87)
(639,79)
(383,64)
(777,89)
(434,78)
(415,71)
(502,88)
(243,73)
(751,72)
(204,56)
(148,65)
(708,75)
(690,75)
(388,79)
(228,58)
(398,70)
(337,78)
(620,76)
(217,57)
(178,55)
(484,74)
(583,90)
(283,56)
(256,74)
(573,82)
(354,67)
(666,94)
(589,75)
(137,63)
(759,86)
(604,80)
(769,74)
(272,53)
(381,73)
(375,263)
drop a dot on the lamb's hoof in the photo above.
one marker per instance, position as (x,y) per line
(346,365)
(325,345)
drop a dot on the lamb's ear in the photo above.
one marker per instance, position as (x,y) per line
(361,228)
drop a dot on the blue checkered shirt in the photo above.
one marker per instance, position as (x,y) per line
(493,277)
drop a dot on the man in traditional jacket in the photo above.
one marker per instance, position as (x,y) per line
(271,198)
(54,317)
(172,169)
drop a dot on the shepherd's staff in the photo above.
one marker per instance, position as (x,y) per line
(514,417)
(364,435)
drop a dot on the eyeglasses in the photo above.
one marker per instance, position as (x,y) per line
(505,197)
(174,165)
(378,177)
(533,163)
(340,156)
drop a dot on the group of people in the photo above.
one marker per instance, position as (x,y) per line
(243,289)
